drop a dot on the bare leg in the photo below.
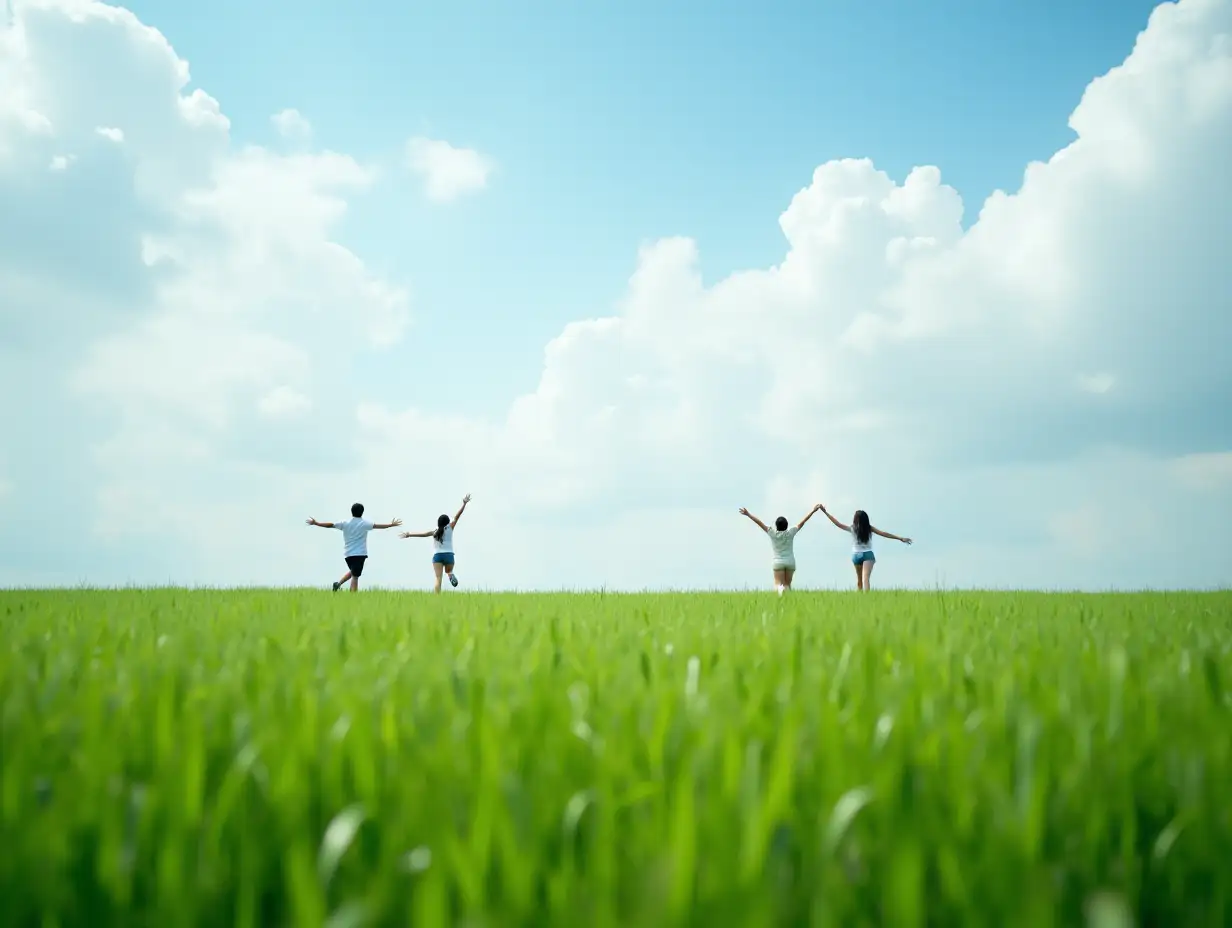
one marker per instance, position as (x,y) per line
(437,569)
(345,578)
(868,574)
(354,584)
(779,579)
(788,573)
(859,576)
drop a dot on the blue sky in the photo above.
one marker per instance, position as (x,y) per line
(619,123)
(958,264)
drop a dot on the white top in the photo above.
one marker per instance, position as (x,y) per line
(445,544)
(781,542)
(856,546)
(355,535)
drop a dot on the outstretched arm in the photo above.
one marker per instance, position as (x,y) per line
(320,524)
(808,515)
(837,523)
(393,523)
(466,499)
(428,534)
(877,531)
(748,515)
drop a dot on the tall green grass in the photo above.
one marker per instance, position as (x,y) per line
(303,758)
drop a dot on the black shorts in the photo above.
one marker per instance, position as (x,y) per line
(355,563)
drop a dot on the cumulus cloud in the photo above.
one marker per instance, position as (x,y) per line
(160,330)
(447,172)
(291,124)
(1033,399)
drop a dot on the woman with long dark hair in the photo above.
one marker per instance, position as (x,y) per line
(862,532)
(442,545)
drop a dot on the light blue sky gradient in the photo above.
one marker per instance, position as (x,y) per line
(620,123)
(670,299)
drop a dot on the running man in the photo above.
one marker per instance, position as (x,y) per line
(442,544)
(782,540)
(862,532)
(355,538)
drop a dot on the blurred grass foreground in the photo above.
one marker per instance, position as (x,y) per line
(299,758)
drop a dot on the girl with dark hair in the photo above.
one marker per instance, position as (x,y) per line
(782,538)
(862,532)
(442,544)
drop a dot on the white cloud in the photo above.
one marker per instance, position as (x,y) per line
(110,133)
(1206,470)
(283,402)
(1097,383)
(448,172)
(1034,399)
(60,163)
(291,124)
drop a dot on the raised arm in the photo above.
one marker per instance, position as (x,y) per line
(428,534)
(393,523)
(466,499)
(877,531)
(808,515)
(837,523)
(759,523)
(320,524)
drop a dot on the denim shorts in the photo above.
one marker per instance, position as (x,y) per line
(859,557)
(443,557)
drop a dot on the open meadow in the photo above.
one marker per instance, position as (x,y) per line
(271,758)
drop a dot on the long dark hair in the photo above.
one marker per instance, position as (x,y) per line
(860,526)
(441,522)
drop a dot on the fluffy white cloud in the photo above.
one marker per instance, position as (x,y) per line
(292,124)
(1039,399)
(447,172)
(155,332)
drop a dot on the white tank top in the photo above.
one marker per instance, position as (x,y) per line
(856,546)
(444,545)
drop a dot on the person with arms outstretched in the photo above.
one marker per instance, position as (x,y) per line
(355,539)
(442,544)
(782,538)
(862,532)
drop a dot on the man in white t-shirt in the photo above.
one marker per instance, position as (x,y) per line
(355,538)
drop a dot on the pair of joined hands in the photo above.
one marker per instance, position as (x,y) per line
(817,508)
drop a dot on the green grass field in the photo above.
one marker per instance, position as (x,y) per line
(304,758)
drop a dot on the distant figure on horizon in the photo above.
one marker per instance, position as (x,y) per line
(355,538)
(782,543)
(442,544)
(862,532)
